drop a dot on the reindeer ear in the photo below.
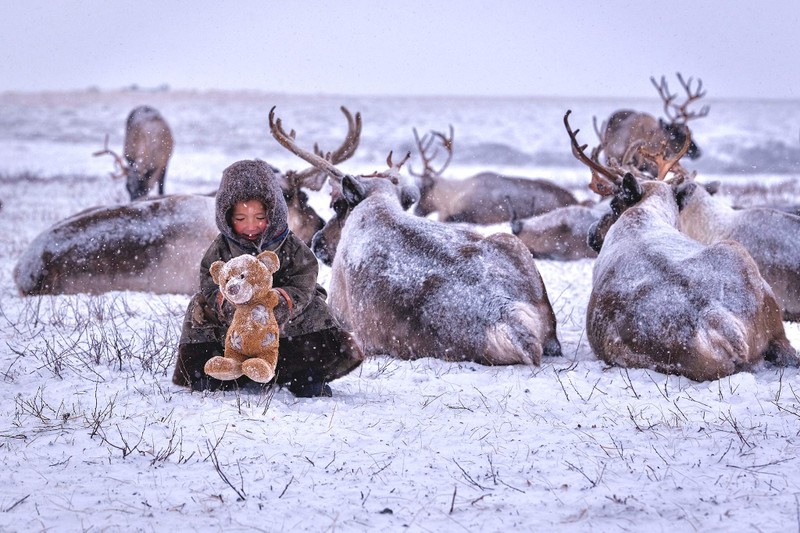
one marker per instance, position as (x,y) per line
(216,266)
(270,260)
(683,192)
(631,189)
(409,195)
(353,190)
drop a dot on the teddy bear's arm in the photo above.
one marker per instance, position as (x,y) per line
(272,299)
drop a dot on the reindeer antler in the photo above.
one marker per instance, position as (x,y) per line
(393,172)
(666,165)
(312,177)
(287,141)
(424,146)
(119,163)
(680,113)
(604,180)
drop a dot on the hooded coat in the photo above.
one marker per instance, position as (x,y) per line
(297,276)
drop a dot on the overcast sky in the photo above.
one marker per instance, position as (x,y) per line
(404,47)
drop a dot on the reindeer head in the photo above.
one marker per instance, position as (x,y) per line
(622,182)
(629,193)
(351,190)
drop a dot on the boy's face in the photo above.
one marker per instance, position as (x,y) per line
(249,219)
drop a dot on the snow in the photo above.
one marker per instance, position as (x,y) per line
(94,436)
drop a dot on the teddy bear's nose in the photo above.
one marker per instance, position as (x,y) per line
(233,290)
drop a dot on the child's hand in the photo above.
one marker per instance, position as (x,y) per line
(282,311)
(225,309)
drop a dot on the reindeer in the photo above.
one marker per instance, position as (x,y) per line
(302,219)
(148,147)
(559,235)
(626,128)
(769,235)
(147,245)
(480,199)
(662,300)
(411,287)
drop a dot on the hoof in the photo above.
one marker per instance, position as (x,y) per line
(258,370)
(223,368)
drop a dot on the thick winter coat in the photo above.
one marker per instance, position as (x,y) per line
(297,275)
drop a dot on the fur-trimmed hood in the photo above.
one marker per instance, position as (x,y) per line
(245,180)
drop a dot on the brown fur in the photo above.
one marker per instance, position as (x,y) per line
(251,344)
(625,128)
(302,219)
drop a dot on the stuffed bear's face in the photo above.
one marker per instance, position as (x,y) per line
(245,276)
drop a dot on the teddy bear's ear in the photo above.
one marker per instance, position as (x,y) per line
(270,260)
(216,266)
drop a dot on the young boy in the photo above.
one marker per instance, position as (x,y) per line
(251,216)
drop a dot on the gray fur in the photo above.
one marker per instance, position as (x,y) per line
(151,245)
(412,287)
(769,235)
(662,300)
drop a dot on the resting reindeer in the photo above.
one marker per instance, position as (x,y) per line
(625,128)
(148,147)
(411,287)
(769,235)
(559,235)
(140,246)
(480,199)
(302,219)
(662,300)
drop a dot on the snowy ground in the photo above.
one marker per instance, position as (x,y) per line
(93,435)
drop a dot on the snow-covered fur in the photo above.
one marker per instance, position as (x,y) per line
(148,147)
(772,237)
(560,234)
(662,300)
(141,246)
(251,344)
(411,287)
(485,197)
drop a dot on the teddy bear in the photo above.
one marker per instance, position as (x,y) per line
(251,345)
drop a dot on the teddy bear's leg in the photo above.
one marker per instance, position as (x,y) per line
(223,368)
(258,370)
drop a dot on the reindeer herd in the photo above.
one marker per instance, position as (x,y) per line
(682,282)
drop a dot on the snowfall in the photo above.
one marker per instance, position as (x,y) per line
(94,436)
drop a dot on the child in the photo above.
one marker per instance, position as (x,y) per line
(251,215)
